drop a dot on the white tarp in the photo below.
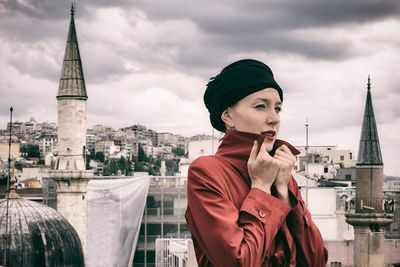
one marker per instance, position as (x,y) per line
(115,210)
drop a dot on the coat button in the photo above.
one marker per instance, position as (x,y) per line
(307,222)
(262,213)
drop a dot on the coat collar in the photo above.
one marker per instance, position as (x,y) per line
(237,145)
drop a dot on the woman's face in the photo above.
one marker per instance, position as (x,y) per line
(257,113)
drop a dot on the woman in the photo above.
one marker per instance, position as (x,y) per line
(244,207)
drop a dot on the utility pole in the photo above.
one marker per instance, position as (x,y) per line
(306,165)
(7,236)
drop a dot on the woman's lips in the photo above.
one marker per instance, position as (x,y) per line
(269,138)
(269,135)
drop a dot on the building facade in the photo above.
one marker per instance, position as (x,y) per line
(4,149)
(164,217)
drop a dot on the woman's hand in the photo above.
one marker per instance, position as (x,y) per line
(286,161)
(263,169)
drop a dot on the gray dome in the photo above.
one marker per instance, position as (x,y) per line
(39,236)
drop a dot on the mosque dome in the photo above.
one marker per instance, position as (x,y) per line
(38,236)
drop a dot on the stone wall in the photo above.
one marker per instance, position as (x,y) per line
(342,251)
(71,133)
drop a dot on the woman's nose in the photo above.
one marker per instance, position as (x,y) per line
(273,118)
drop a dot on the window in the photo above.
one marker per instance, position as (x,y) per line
(325,169)
(351,155)
(348,176)
(341,157)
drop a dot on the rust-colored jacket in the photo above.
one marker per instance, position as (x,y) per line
(233,224)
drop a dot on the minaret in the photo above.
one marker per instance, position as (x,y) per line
(71,106)
(370,215)
(70,177)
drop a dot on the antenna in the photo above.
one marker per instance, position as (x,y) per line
(7,234)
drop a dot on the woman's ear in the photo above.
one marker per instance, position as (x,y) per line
(227,119)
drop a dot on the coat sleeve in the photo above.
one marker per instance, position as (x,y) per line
(310,246)
(228,235)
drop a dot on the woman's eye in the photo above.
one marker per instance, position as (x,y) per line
(260,106)
(278,109)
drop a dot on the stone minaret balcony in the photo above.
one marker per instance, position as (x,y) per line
(371,212)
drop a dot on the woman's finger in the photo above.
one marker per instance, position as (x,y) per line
(283,149)
(263,152)
(285,155)
(284,162)
(253,153)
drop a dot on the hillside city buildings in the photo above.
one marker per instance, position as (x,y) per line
(113,143)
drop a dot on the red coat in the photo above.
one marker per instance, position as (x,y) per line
(233,224)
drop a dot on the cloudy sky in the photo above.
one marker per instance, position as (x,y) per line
(147,62)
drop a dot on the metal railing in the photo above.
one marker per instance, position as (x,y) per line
(171,252)
(157,212)
(168,182)
(153,238)
(374,205)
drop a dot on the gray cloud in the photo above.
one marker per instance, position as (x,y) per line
(268,26)
(226,26)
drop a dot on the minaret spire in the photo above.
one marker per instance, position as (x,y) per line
(369,151)
(72,81)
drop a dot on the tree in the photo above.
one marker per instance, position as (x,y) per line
(172,166)
(178,152)
(30,151)
(140,167)
(123,165)
(129,168)
(141,155)
(99,156)
(115,165)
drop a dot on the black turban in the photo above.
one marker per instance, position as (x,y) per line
(235,82)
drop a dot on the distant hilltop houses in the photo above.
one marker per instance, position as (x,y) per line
(35,143)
